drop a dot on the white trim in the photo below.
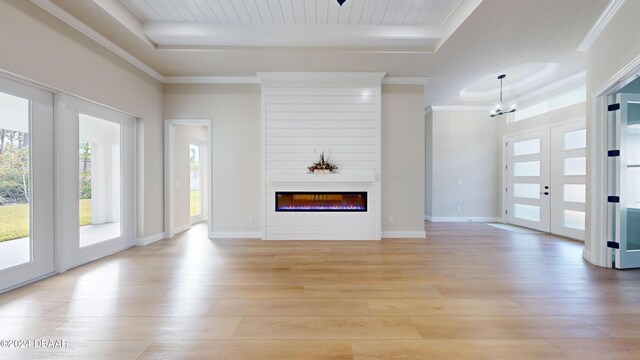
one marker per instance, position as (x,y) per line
(149,239)
(89,32)
(321,178)
(404,234)
(596,235)
(435,219)
(182,228)
(236,235)
(169,124)
(600,24)
(434,108)
(211,80)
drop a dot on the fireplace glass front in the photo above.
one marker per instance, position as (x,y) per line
(312,201)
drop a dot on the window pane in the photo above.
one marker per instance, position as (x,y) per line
(99,180)
(529,191)
(575,193)
(15,181)
(575,139)
(575,166)
(574,219)
(529,168)
(194,179)
(526,212)
(527,147)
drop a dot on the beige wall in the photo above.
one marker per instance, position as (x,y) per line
(403,163)
(428,174)
(616,47)
(183,135)
(35,45)
(465,149)
(235,111)
(235,114)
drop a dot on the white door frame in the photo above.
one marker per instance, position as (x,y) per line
(169,175)
(596,232)
(66,130)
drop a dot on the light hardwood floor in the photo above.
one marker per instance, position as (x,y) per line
(467,291)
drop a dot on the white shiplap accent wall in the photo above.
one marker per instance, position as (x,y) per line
(305,115)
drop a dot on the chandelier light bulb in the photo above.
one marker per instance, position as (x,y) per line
(513,106)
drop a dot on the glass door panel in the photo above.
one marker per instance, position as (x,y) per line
(26,186)
(194,180)
(15,180)
(626,181)
(99,180)
(568,179)
(528,180)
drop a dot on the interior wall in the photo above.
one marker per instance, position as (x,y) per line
(183,135)
(235,114)
(39,47)
(616,47)
(403,158)
(466,162)
(428,148)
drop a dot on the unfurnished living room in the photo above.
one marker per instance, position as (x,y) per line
(319,179)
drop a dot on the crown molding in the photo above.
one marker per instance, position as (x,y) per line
(322,78)
(212,80)
(85,29)
(600,24)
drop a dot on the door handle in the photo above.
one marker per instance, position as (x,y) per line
(545,193)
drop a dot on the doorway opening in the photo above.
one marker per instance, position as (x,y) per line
(187,175)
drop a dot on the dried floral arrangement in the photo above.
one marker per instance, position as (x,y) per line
(322,165)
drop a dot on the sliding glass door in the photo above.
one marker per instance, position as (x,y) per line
(26,185)
(99,171)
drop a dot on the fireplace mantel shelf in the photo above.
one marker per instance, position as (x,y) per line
(321,178)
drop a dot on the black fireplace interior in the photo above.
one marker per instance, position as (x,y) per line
(312,201)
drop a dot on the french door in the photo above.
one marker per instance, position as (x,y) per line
(624,180)
(97,169)
(26,186)
(546,180)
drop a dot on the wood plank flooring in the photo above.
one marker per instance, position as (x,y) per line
(467,291)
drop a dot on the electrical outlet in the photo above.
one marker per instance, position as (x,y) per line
(250,219)
(458,208)
(390,218)
(459,182)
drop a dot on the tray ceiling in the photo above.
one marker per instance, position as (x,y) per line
(410,25)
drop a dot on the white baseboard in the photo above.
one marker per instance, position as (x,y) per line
(149,239)
(463,219)
(182,228)
(586,254)
(404,234)
(236,235)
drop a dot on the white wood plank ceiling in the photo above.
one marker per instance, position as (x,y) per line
(353,12)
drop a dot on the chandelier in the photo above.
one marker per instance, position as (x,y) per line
(498,110)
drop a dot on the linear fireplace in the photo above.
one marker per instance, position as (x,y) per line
(314,201)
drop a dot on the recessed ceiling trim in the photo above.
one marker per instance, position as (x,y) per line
(609,12)
(125,16)
(434,108)
(72,21)
(547,71)
(553,88)
(387,80)
(293,35)
(459,14)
